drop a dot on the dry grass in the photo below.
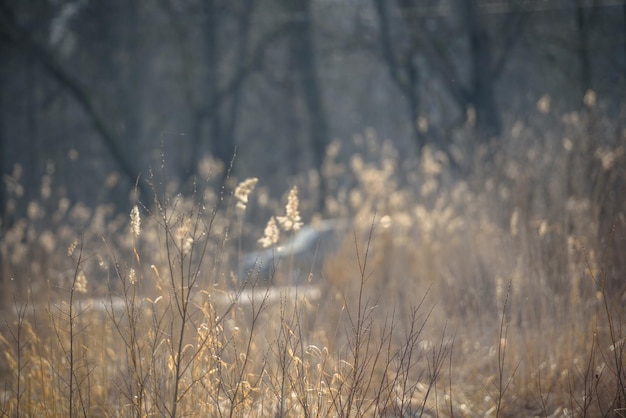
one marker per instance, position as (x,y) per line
(498,292)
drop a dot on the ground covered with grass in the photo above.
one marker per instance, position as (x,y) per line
(495,291)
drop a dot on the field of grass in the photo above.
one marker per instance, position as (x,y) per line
(495,291)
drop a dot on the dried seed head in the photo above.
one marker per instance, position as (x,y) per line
(80,285)
(243,190)
(135,221)
(72,248)
(291,221)
(272,234)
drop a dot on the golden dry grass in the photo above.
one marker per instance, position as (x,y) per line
(495,293)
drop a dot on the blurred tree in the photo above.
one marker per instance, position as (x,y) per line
(483,70)
(213,85)
(302,48)
(401,61)
(280,77)
(222,148)
(584,16)
(435,32)
(3,144)
(223,113)
(25,40)
(133,65)
(594,40)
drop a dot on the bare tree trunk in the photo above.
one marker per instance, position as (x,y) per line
(232,116)
(219,146)
(482,90)
(406,76)
(291,121)
(3,159)
(304,46)
(4,221)
(412,99)
(213,103)
(220,113)
(132,82)
(582,26)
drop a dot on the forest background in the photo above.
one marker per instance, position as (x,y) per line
(96,91)
(472,152)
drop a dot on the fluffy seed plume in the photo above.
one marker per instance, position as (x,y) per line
(291,221)
(72,248)
(243,190)
(135,221)
(272,234)
(132,276)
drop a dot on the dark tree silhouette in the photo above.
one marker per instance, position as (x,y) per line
(305,61)
(483,66)
(12,31)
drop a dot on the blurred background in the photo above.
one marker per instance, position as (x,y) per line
(93,92)
(483,141)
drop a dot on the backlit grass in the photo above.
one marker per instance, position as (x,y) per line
(444,291)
